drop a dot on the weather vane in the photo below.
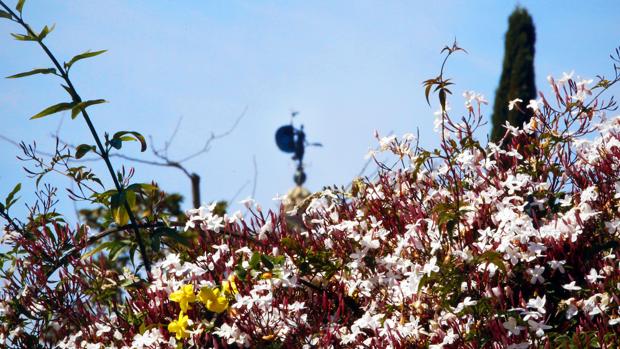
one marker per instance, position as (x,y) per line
(293,140)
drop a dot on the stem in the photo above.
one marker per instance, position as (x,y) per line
(4,214)
(104,155)
(195,189)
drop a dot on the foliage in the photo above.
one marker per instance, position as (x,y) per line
(517,79)
(463,246)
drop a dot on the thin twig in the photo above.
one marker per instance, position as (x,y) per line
(214,137)
(255,175)
(173,135)
(236,195)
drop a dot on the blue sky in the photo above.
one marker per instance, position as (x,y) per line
(349,67)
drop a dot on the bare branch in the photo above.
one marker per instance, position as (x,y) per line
(15,143)
(255,175)
(173,135)
(214,137)
(236,195)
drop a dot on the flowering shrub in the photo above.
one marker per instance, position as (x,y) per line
(509,245)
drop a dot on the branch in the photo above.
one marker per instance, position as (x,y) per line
(214,137)
(9,140)
(72,252)
(255,175)
(64,74)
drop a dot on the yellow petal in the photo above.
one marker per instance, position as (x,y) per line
(218,305)
(206,294)
(230,287)
(173,327)
(179,326)
(176,296)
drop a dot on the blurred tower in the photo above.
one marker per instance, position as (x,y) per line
(290,139)
(517,79)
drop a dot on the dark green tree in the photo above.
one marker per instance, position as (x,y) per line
(517,80)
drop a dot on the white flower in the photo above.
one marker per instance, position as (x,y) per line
(593,276)
(369,242)
(266,228)
(512,103)
(565,77)
(214,223)
(571,311)
(467,302)
(589,194)
(386,142)
(557,265)
(513,130)
(536,274)
(538,304)
(430,267)
(248,202)
(512,254)
(296,306)
(571,287)
(514,153)
(538,327)
(145,340)
(102,329)
(530,126)
(512,327)
(534,105)
(232,334)
(514,183)
(471,96)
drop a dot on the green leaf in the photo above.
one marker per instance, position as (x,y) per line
(87,54)
(20,6)
(266,262)
(117,204)
(98,249)
(33,72)
(69,91)
(23,37)
(255,261)
(119,212)
(442,99)
(53,109)
(492,257)
(115,250)
(241,273)
(46,30)
(137,137)
(155,242)
(142,186)
(10,199)
(4,14)
(116,143)
(82,149)
(174,235)
(83,105)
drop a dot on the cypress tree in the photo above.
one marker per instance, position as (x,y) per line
(517,79)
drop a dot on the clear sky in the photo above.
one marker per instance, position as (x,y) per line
(349,67)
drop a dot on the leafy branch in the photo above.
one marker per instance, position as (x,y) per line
(441,84)
(77,107)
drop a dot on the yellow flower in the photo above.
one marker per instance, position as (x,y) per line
(213,299)
(229,286)
(179,327)
(184,296)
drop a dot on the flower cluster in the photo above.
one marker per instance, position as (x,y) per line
(510,245)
